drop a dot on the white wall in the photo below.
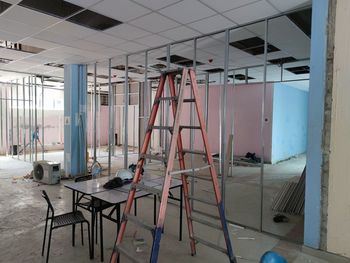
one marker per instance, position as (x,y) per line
(338,225)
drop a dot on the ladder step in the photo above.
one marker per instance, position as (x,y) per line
(189,100)
(138,221)
(199,177)
(147,188)
(209,244)
(205,222)
(189,170)
(170,128)
(165,98)
(121,249)
(190,127)
(184,151)
(202,200)
(153,157)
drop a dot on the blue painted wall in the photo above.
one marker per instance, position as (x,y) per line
(289,126)
(318,63)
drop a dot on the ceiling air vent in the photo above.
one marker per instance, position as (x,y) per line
(253,46)
(284,60)
(182,61)
(299,70)
(302,19)
(4,6)
(93,20)
(58,8)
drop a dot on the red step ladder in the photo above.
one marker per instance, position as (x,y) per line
(177,101)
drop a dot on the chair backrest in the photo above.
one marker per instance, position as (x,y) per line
(46,197)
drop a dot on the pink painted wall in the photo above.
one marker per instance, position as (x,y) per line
(245,101)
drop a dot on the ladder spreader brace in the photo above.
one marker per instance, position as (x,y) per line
(176,147)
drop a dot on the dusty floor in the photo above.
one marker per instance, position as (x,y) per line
(22,221)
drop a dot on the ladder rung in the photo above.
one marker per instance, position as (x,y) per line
(153,157)
(209,244)
(189,170)
(121,249)
(147,188)
(193,152)
(166,98)
(139,222)
(199,177)
(170,128)
(205,214)
(189,100)
(190,127)
(202,200)
(205,222)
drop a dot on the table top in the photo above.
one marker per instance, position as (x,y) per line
(88,187)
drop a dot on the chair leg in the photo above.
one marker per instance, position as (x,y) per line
(96,219)
(82,233)
(42,251)
(73,235)
(101,235)
(90,248)
(49,244)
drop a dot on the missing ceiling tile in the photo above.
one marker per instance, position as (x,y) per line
(56,65)
(240,77)
(179,60)
(302,19)
(4,6)
(93,20)
(254,46)
(284,60)
(214,70)
(57,8)
(299,70)
(20,47)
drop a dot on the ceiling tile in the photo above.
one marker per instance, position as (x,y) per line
(13,54)
(288,5)
(126,31)
(9,36)
(187,11)
(56,38)
(211,24)
(226,5)
(251,12)
(179,33)
(154,23)
(12,1)
(17,28)
(30,17)
(111,52)
(105,39)
(156,4)
(69,29)
(131,47)
(153,40)
(86,45)
(122,10)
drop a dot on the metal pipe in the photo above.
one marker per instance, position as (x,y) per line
(42,120)
(99,120)
(206,100)
(166,104)
(146,101)
(126,104)
(35,119)
(133,128)
(95,112)
(11,120)
(110,113)
(30,119)
(6,122)
(24,121)
(262,130)
(17,120)
(223,116)
(232,125)
(1,120)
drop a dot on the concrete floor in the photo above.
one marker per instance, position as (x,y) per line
(22,220)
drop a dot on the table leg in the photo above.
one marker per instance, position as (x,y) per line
(154,209)
(181,214)
(92,229)
(101,231)
(135,207)
(73,210)
(118,224)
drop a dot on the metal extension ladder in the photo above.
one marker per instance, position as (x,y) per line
(177,102)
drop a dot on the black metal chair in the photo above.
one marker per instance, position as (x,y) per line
(68,219)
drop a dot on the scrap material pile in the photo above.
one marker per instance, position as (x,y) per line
(291,198)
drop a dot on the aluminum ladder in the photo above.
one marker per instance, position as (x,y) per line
(177,101)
